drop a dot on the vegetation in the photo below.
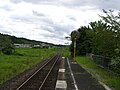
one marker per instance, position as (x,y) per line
(14,39)
(7,43)
(66,52)
(6,46)
(101,38)
(115,64)
(102,75)
(11,65)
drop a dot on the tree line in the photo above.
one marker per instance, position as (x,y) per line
(100,37)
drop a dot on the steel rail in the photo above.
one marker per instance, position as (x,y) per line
(48,73)
(36,72)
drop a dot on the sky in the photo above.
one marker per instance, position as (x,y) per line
(50,20)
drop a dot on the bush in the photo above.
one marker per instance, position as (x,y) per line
(115,65)
(8,50)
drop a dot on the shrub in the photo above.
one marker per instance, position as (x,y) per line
(115,65)
(8,50)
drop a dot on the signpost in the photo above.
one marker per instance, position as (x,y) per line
(74,36)
(75,50)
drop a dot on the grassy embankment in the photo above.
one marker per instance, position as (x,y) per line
(102,75)
(11,65)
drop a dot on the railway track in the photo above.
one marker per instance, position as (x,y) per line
(44,78)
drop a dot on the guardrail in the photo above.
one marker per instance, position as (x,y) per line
(100,60)
(105,62)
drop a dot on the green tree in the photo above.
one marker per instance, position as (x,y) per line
(111,19)
(100,37)
(103,40)
(83,42)
(114,21)
(6,46)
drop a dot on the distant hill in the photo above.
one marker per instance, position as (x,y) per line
(17,40)
(22,40)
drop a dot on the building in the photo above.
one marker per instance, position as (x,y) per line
(22,45)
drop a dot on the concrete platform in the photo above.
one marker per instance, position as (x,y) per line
(73,77)
(61,83)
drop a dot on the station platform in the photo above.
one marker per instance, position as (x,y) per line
(73,77)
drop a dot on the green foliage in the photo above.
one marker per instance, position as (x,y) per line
(98,38)
(9,50)
(101,38)
(12,65)
(6,46)
(66,52)
(4,41)
(115,65)
(83,42)
(111,19)
(114,21)
(71,49)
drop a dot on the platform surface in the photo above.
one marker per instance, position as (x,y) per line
(78,78)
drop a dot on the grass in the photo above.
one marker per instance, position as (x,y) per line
(66,52)
(12,65)
(101,74)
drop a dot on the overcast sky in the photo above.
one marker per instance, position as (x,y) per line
(50,20)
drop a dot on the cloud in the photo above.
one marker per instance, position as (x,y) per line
(7,8)
(4,30)
(101,4)
(72,17)
(38,14)
(49,20)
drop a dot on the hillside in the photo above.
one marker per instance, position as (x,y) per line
(5,38)
(13,39)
